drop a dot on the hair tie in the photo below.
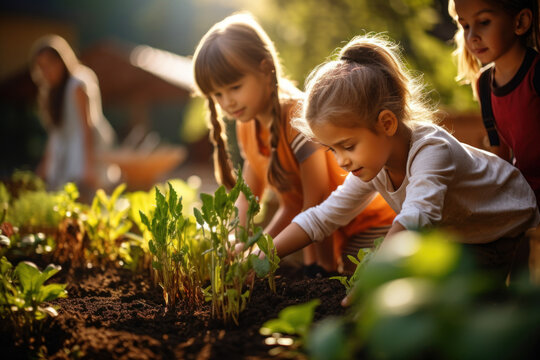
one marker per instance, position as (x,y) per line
(346,58)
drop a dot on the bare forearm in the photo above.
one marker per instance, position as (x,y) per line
(282,217)
(291,239)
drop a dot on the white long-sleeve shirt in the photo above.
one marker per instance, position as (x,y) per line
(448,185)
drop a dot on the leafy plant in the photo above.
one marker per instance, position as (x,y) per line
(4,200)
(23,295)
(22,181)
(34,211)
(106,223)
(219,220)
(362,258)
(290,330)
(145,201)
(34,222)
(178,252)
(269,264)
(422,297)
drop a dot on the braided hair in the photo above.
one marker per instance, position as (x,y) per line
(231,49)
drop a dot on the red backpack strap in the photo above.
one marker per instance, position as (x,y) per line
(536,78)
(484,93)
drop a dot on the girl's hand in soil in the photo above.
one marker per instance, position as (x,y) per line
(347,300)
(239,248)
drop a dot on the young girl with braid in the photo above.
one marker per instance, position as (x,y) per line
(237,68)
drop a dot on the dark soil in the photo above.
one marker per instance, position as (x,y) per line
(116,314)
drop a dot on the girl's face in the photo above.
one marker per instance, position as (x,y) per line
(51,68)
(358,150)
(488,29)
(247,98)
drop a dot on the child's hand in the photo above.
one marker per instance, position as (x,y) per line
(347,300)
(239,249)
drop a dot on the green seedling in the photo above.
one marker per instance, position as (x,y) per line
(106,223)
(34,211)
(35,222)
(230,268)
(270,263)
(145,201)
(362,258)
(291,329)
(23,297)
(178,252)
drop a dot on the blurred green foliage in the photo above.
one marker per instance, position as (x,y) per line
(307,32)
(422,297)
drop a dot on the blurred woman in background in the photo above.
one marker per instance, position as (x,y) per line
(70,105)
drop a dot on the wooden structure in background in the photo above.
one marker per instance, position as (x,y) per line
(134,79)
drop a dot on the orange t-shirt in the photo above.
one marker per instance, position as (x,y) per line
(254,142)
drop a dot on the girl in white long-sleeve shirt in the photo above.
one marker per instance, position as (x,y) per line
(367,110)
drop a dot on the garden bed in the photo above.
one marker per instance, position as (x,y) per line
(116,314)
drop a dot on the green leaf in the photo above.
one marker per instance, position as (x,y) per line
(49,271)
(233,194)
(261,266)
(300,316)
(161,205)
(28,274)
(152,247)
(51,292)
(198,216)
(328,340)
(172,200)
(208,201)
(117,191)
(353,260)
(71,190)
(179,207)
(342,279)
(277,326)
(253,239)
(264,242)
(5,266)
(101,196)
(220,200)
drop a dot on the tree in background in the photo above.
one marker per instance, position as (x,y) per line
(306,32)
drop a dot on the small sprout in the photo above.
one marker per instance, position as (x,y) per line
(22,293)
(295,321)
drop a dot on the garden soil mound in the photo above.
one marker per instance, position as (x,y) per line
(116,314)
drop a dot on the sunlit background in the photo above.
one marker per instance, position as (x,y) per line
(141,49)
